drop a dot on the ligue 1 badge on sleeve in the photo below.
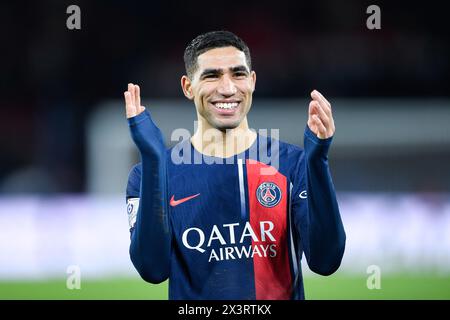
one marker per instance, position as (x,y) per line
(132,209)
(268,194)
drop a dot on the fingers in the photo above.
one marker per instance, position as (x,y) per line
(133,100)
(131,91)
(324,103)
(127,96)
(322,130)
(316,108)
(137,97)
(129,106)
(130,101)
(318,94)
(320,120)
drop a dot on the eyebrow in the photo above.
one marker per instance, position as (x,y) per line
(239,69)
(207,72)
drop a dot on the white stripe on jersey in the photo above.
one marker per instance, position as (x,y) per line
(293,254)
(241,187)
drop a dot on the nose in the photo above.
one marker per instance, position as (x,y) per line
(226,86)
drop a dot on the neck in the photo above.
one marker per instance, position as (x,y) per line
(222,143)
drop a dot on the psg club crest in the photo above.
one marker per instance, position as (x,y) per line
(268,194)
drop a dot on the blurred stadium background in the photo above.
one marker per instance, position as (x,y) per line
(66,150)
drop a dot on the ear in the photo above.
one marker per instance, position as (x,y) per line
(186,85)
(253,76)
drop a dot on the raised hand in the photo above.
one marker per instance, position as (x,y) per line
(320,117)
(133,101)
(145,134)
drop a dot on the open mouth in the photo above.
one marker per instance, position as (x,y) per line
(226,107)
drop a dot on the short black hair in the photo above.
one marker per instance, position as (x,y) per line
(211,40)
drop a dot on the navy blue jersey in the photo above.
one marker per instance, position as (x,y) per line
(234,228)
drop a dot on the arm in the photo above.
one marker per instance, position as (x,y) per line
(150,237)
(324,236)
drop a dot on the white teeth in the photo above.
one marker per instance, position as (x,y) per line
(231,105)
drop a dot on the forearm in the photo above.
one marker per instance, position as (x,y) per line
(326,235)
(150,238)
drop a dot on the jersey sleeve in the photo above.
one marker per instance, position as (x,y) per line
(314,207)
(150,234)
(134,182)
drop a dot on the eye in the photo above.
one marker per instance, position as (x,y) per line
(240,74)
(210,76)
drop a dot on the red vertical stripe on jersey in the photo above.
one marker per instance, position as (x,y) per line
(272,274)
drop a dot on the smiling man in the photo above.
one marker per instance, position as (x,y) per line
(233,230)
